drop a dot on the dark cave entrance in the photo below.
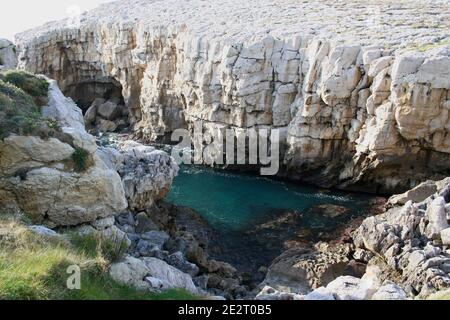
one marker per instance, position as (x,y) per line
(102,103)
(84,93)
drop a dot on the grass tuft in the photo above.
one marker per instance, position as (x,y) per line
(81,160)
(34,268)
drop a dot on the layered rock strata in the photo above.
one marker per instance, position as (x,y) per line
(358,104)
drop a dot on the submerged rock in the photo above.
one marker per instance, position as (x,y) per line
(329,210)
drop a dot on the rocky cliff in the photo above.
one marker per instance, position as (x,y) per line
(358,101)
(62,178)
(402,253)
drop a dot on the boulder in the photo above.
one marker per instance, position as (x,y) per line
(104,223)
(21,152)
(147,174)
(131,272)
(178,261)
(349,288)
(60,198)
(62,109)
(302,270)
(416,195)
(172,277)
(8,55)
(156,238)
(144,223)
(109,110)
(116,236)
(81,139)
(437,218)
(319,294)
(44,231)
(147,248)
(105,125)
(390,291)
(445,237)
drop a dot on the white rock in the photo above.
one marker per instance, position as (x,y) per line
(8,55)
(81,139)
(103,223)
(130,272)
(390,291)
(62,109)
(147,174)
(437,217)
(170,276)
(27,152)
(259,72)
(350,288)
(109,110)
(320,294)
(379,64)
(44,231)
(445,236)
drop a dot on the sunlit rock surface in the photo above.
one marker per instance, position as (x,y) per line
(359,91)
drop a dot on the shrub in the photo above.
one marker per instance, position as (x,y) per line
(28,82)
(81,159)
(19,114)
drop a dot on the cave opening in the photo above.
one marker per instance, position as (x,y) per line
(102,103)
(86,92)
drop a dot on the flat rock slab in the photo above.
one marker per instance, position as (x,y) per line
(394,22)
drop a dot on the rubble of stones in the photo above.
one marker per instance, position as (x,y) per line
(106,115)
(403,253)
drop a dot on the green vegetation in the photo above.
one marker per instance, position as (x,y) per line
(430,46)
(95,246)
(28,82)
(21,95)
(33,267)
(81,159)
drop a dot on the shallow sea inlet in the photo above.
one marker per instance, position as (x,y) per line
(256,218)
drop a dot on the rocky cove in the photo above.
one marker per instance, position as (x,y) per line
(370,117)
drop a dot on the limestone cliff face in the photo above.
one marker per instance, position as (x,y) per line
(8,55)
(38,176)
(353,116)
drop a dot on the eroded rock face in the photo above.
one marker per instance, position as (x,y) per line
(8,55)
(37,176)
(146,173)
(412,239)
(350,115)
(302,270)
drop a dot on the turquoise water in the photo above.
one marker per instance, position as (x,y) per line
(255,216)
